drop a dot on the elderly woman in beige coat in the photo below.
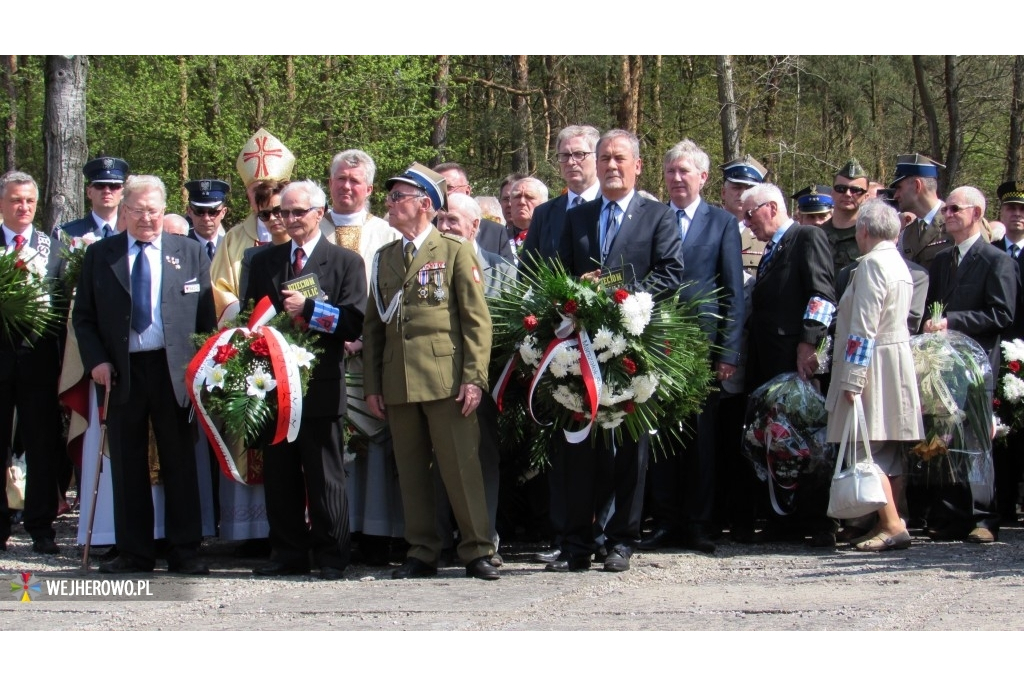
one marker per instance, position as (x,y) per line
(873,359)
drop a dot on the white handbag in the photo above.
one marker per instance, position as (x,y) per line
(856,485)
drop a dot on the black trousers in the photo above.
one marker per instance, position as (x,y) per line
(309,471)
(28,383)
(595,473)
(151,399)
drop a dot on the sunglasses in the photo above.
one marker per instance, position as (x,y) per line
(396,197)
(265,214)
(112,187)
(842,189)
(750,212)
(955,209)
(207,211)
(288,214)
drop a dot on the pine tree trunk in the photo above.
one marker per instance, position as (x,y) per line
(64,139)
(1016,121)
(11,86)
(439,136)
(727,108)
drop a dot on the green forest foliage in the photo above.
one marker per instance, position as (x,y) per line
(801,116)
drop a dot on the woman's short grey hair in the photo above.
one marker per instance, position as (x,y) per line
(879,220)
(143,183)
(690,151)
(317,197)
(356,158)
(765,192)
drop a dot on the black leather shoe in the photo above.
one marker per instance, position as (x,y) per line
(699,543)
(414,568)
(548,556)
(618,560)
(567,563)
(331,573)
(483,569)
(123,564)
(661,537)
(601,554)
(283,568)
(45,546)
(189,566)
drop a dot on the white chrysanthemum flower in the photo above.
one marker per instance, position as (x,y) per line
(259,383)
(1000,429)
(612,395)
(618,345)
(636,311)
(1013,350)
(602,339)
(644,386)
(215,376)
(611,419)
(567,398)
(529,352)
(1013,388)
(302,356)
(558,369)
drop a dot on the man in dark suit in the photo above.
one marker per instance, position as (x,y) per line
(578,167)
(141,296)
(977,285)
(618,230)
(310,471)
(915,189)
(207,209)
(1008,455)
(577,162)
(104,177)
(492,237)
(683,484)
(792,305)
(28,374)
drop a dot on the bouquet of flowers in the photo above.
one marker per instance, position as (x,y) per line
(952,374)
(1009,399)
(583,354)
(784,436)
(26,311)
(73,252)
(250,380)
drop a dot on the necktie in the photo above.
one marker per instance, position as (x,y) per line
(611,228)
(409,249)
(766,257)
(300,261)
(107,231)
(142,309)
(956,258)
(210,250)
(684,223)
(19,242)
(577,201)
(1014,251)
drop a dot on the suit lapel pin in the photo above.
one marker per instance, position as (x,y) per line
(173,261)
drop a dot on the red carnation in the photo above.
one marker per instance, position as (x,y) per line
(570,307)
(629,365)
(620,296)
(521,238)
(530,322)
(260,347)
(629,407)
(578,416)
(1014,366)
(224,353)
(996,402)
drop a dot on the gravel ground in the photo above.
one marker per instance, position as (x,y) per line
(931,586)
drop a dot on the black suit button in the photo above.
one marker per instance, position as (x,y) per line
(408,337)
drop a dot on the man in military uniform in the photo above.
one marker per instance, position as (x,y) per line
(263,158)
(813,205)
(104,178)
(206,209)
(739,175)
(428,340)
(849,192)
(916,190)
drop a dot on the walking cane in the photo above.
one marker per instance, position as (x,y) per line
(96,479)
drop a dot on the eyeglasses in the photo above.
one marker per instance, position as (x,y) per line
(288,214)
(842,189)
(955,209)
(206,211)
(265,214)
(577,156)
(112,187)
(750,212)
(397,197)
(145,213)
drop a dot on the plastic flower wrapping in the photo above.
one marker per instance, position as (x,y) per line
(784,437)
(247,383)
(592,359)
(952,374)
(1009,400)
(73,252)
